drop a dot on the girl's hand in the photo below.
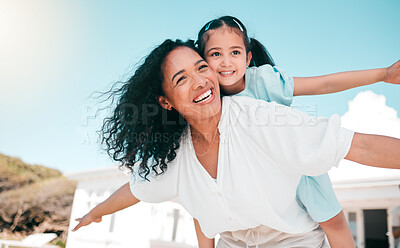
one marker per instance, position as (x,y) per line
(393,73)
(86,220)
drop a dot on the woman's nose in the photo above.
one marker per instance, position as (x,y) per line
(199,81)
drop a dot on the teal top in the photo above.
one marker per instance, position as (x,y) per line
(272,84)
(268,83)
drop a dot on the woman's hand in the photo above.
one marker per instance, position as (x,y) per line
(120,199)
(393,73)
(87,219)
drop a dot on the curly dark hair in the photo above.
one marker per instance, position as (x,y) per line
(260,54)
(140,131)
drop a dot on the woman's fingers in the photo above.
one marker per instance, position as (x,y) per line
(77,226)
(84,221)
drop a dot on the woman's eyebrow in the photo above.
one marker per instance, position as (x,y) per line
(199,61)
(181,71)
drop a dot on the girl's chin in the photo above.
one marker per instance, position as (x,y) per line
(227,83)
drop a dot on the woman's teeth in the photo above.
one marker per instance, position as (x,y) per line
(203,96)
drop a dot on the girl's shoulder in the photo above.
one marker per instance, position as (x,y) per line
(265,70)
(258,69)
(269,83)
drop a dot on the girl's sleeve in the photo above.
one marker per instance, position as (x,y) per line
(271,84)
(317,197)
(157,188)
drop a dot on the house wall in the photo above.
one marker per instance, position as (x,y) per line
(356,198)
(143,225)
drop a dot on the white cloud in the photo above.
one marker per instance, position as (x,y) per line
(368,113)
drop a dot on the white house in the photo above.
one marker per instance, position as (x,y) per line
(368,195)
(143,225)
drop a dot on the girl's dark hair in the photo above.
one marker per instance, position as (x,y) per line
(140,131)
(260,54)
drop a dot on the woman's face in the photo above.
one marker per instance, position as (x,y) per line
(190,86)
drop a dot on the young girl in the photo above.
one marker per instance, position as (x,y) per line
(224,44)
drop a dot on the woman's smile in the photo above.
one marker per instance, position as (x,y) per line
(205,97)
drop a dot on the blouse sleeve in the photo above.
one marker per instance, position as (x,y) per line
(157,188)
(271,84)
(295,141)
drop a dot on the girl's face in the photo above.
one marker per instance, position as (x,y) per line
(225,52)
(190,86)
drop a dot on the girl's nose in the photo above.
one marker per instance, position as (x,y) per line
(226,61)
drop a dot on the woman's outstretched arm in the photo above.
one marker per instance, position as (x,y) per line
(341,81)
(375,150)
(120,199)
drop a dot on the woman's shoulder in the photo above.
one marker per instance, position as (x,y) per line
(244,102)
(159,186)
(243,108)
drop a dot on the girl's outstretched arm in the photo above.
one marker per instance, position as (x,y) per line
(336,82)
(375,150)
(120,199)
(203,241)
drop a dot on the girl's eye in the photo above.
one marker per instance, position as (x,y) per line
(235,52)
(215,54)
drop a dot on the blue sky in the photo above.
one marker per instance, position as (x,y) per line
(54,54)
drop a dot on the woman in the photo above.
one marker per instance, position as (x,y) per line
(235,162)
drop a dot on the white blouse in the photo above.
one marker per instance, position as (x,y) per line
(264,150)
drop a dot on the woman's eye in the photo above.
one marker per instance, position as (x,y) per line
(202,67)
(215,54)
(180,79)
(235,52)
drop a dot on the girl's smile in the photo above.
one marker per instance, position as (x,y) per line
(226,73)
